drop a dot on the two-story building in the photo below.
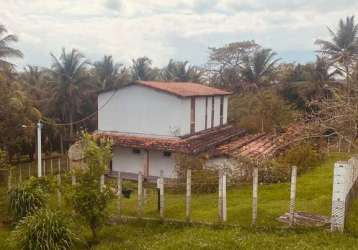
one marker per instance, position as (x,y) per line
(150,121)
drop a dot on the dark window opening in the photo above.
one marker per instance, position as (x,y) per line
(221,110)
(135,151)
(111,165)
(167,153)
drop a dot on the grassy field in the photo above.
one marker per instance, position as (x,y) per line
(313,195)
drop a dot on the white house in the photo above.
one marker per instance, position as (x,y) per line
(149,121)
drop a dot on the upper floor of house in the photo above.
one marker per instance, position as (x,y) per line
(168,109)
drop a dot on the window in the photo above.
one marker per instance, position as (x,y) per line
(167,153)
(135,151)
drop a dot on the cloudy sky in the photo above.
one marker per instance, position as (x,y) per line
(164,29)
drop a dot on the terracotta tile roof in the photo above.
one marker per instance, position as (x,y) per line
(260,146)
(183,89)
(194,144)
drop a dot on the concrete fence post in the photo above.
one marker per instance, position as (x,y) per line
(339,193)
(51,166)
(293,195)
(161,193)
(119,192)
(220,198)
(73,178)
(224,201)
(255,182)
(140,195)
(59,165)
(188,196)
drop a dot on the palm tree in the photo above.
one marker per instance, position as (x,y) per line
(342,50)
(5,50)
(181,72)
(321,70)
(142,69)
(69,74)
(258,66)
(106,72)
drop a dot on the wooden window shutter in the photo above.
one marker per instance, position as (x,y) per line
(192,115)
(212,111)
(221,110)
(206,112)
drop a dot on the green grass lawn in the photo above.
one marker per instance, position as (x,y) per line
(313,195)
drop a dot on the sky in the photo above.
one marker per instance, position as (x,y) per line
(165,29)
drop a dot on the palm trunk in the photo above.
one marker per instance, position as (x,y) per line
(71,125)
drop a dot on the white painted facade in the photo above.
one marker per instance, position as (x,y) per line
(125,160)
(143,111)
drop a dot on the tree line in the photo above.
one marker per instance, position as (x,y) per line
(269,94)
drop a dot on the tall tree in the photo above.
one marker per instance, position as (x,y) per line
(107,72)
(225,63)
(5,50)
(142,69)
(342,50)
(181,72)
(69,73)
(258,66)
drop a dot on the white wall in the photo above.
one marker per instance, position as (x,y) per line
(217,111)
(138,109)
(200,113)
(125,160)
(157,162)
(226,101)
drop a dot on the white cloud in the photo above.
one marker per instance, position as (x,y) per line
(167,29)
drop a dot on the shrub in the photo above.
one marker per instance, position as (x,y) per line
(203,180)
(43,230)
(304,156)
(25,199)
(88,202)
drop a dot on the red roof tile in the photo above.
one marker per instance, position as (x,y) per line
(183,89)
(195,144)
(260,146)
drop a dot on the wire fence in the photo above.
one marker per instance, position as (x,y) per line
(214,197)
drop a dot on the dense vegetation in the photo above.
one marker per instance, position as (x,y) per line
(65,92)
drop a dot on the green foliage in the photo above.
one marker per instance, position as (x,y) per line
(87,200)
(203,180)
(26,199)
(45,230)
(304,156)
(262,111)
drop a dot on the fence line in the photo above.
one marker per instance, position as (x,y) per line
(344,185)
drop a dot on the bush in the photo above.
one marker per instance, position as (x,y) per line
(43,230)
(203,180)
(25,199)
(87,200)
(304,156)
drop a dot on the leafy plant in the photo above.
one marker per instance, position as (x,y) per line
(45,230)
(87,200)
(25,199)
